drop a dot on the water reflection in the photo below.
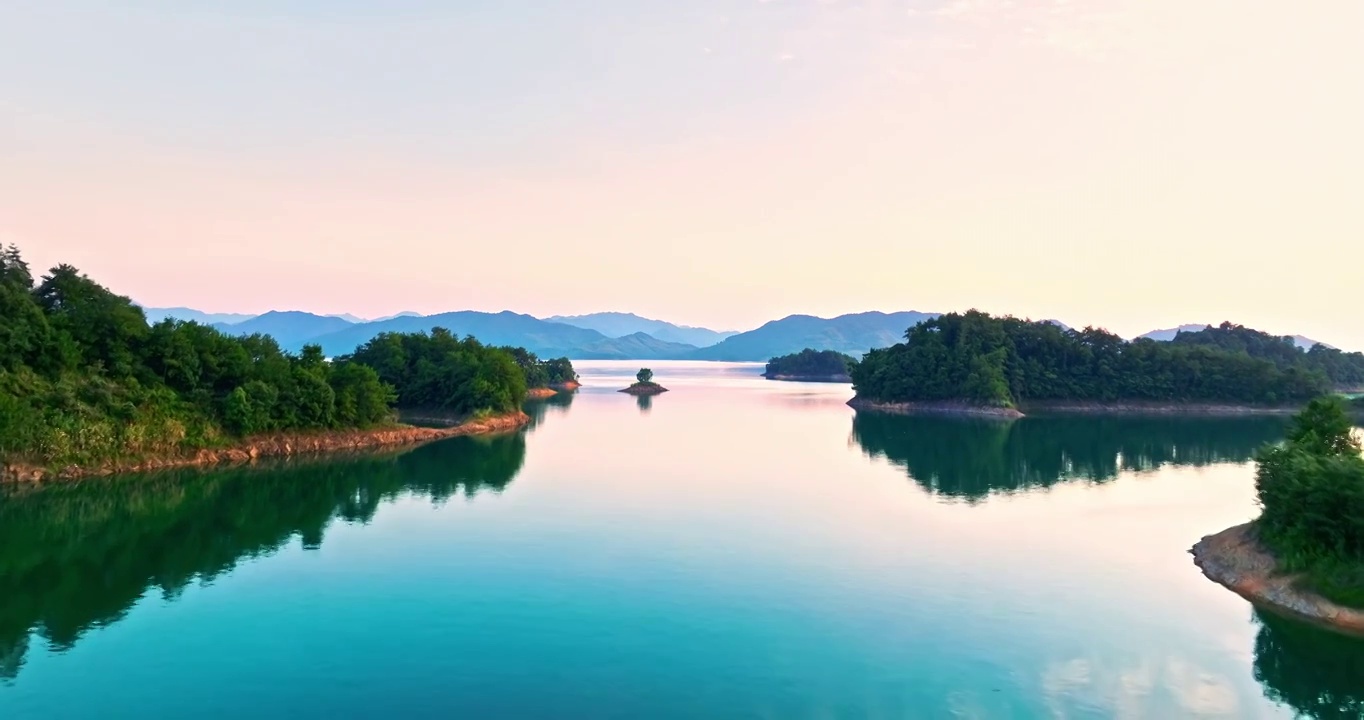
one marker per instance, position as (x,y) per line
(1316,673)
(76,556)
(645,403)
(971,458)
(540,409)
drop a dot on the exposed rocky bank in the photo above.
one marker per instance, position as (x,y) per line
(550,391)
(937,408)
(281,445)
(1234,558)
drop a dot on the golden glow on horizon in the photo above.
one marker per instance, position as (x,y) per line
(1132,164)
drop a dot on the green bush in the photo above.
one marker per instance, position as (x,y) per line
(1311,494)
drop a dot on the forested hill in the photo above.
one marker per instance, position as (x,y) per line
(84,379)
(820,364)
(1002,362)
(1344,370)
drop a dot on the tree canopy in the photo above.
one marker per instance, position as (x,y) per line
(645,375)
(974,357)
(1343,370)
(811,363)
(542,373)
(439,371)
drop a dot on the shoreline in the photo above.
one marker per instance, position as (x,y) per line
(1235,560)
(937,408)
(1074,408)
(811,378)
(551,390)
(644,389)
(269,446)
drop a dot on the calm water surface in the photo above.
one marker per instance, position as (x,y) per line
(735,548)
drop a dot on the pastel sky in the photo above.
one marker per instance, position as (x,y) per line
(1130,164)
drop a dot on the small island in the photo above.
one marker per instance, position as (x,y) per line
(1304,555)
(645,384)
(973,363)
(810,365)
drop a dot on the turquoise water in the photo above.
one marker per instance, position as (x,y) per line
(735,548)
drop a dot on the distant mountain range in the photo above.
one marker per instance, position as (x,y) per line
(1169,334)
(851,334)
(293,329)
(598,336)
(616,324)
(156,315)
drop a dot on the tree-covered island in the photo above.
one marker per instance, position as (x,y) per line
(810,365)
(644,384)
(973,362)
(88,386)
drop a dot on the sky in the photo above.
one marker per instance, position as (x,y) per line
(1129,164)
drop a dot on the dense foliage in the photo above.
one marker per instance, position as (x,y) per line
(645,375)
(1343,370)
(976,358)
(83,377)
(811,363)
(1311,492)
(542,373)
(442,372)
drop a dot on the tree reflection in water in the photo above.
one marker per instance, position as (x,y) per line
(79,555)
(972,458)
(1319,674)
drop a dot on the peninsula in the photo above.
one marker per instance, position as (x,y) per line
(88,387)
(973,363)
(811,365)
(1304,555)
(644,384)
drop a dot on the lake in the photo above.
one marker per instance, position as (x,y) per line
(734,548)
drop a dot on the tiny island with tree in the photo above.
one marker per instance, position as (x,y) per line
(645,384)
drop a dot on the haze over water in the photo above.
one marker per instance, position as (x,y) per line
(734,548)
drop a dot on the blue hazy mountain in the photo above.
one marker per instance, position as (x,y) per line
(617,324)
(156,315)
(852,334)
(291,328)
(544,338)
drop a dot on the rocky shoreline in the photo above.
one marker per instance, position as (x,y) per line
(1235,559)
(1073,408)
(644,388)
(937,408)
(282,445)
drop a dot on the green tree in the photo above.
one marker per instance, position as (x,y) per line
(644,375)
